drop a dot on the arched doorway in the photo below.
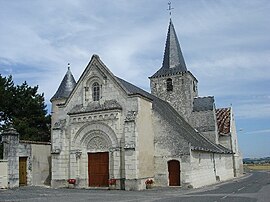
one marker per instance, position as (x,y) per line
(174,173)
(98,145)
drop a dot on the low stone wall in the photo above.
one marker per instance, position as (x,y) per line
(37,155)
(3,174)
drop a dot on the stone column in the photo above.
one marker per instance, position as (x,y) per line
(131,174)
(10,138)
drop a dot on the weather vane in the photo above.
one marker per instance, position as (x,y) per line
(170,8)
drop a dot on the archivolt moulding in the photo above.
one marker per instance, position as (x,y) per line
(93,132)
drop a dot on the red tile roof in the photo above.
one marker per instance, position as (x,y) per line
(223,120)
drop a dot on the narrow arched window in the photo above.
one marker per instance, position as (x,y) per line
(169,84)
(194,86)
(96,91)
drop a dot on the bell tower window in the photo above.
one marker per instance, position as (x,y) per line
(96,91)
(169,84)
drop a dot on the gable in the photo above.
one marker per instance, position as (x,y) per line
(95,72)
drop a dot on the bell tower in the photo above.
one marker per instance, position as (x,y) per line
(173,82)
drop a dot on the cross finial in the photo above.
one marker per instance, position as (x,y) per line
(68,66)
(170,8)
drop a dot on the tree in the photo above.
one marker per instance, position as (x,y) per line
(22,106)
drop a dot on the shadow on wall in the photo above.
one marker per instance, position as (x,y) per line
(48,179)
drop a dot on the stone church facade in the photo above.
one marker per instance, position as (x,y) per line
(104,127)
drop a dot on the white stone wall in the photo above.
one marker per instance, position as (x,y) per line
(25,150)
(209,168)
(145,140)
(224,166)
(41,163)
(37,164)
(169,145)
(225,140)
(3,174)
(202,170)
(11,142)
(238,159)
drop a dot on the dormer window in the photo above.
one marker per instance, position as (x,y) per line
(96,91)
(169,84)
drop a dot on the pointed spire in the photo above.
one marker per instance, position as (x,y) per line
(66,86)
(173,60)
(173,56)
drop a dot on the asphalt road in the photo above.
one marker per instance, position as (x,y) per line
(252,187)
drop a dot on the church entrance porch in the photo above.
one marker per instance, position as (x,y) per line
(174,173)
(98,169)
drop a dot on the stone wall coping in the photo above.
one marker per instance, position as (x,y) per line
(34,142)
(3,160)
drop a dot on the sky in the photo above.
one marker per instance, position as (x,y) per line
(225,43)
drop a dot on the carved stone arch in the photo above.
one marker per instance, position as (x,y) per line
(97,140)
(96,130)
(92,79)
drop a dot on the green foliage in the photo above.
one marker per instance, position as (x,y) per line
(22,106)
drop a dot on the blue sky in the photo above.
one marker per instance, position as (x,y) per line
(225,43)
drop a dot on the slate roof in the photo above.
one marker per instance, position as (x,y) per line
(224,120)
(66,86)
(203,103)
(173,60)
(197,140)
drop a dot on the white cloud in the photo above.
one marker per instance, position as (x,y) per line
(225,43)
(257,132)
(253,110)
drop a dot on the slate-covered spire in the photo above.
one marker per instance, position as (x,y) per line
(173,60)
(67,85)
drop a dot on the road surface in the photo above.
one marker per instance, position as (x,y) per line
(254,186)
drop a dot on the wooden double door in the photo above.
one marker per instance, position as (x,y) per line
(98,169)
(174,173)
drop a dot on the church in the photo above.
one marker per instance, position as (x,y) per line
(109,132)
